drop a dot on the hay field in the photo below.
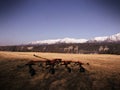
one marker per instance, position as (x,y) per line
(103,73)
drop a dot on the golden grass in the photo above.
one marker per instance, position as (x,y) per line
(29,55)
(102,73)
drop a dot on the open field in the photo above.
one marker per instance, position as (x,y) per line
(102,73)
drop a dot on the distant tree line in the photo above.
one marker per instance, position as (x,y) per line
(84,48)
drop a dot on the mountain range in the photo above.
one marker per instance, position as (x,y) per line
(112,38)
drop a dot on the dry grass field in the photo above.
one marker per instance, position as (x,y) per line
(102,73)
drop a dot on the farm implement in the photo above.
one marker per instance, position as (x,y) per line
(53,65)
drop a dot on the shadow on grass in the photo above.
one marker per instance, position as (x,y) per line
(14,78)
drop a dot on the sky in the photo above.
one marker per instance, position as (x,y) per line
(23,21)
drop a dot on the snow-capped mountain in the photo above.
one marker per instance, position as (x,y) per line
(99,39)
(112,38)
(65,40)
(115,37)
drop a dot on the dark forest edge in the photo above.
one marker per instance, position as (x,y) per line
(81,48)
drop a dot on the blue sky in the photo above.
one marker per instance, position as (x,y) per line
(24,21)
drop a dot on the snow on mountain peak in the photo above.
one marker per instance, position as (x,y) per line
(72,40)
(100,38)
(46,41)
(115,37)
(65,40)
(112,38)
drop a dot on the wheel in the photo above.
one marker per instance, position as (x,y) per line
(69,70)
(32,72)
(82,69)
(52,71)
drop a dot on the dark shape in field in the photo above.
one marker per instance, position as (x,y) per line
(32,71)
(82,69)
(69,69)
(87,63)
(52,70)
(52,64)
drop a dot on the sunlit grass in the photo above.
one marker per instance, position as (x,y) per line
(103,73)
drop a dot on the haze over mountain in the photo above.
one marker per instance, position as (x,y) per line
(112,38)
